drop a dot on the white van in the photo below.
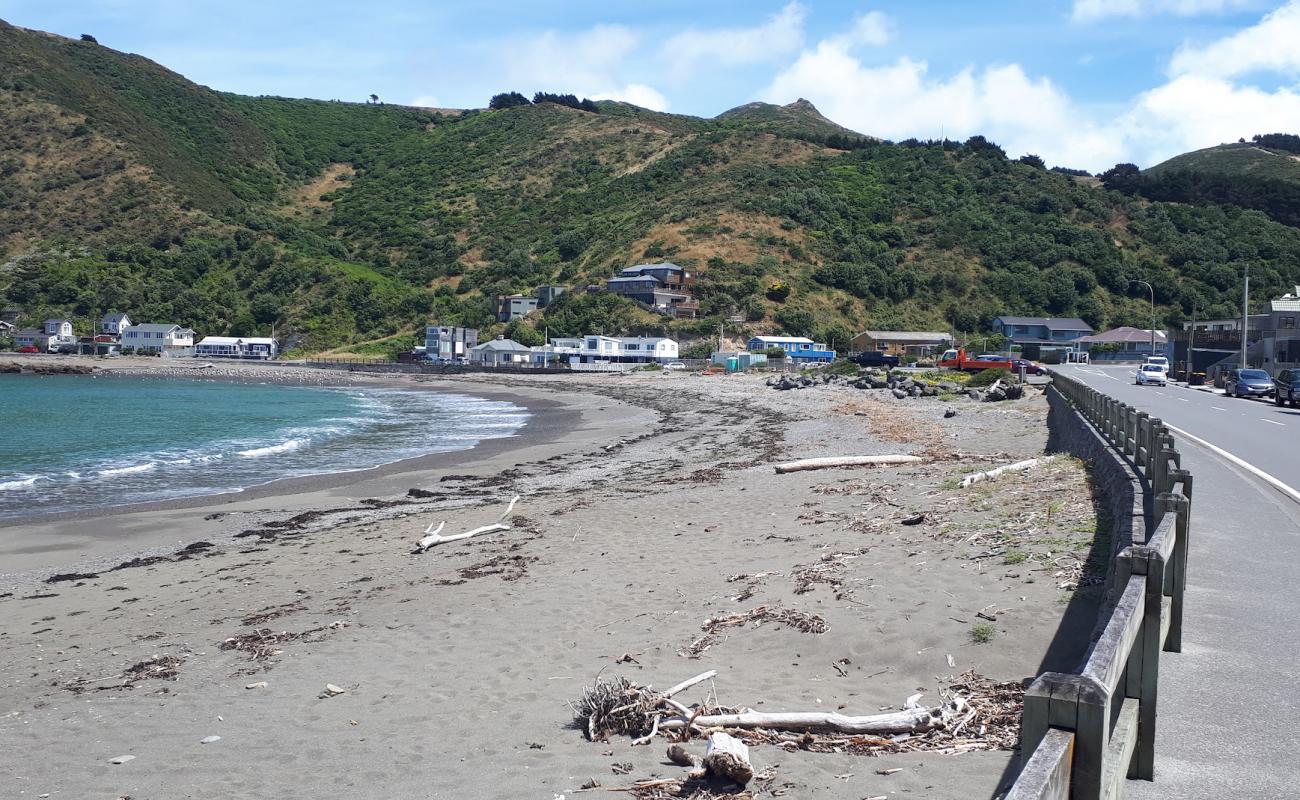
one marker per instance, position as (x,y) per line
(1160,360)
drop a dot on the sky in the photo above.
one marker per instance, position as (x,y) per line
(1081,83)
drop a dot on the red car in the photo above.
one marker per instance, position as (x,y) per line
(1030,367)
(27,349)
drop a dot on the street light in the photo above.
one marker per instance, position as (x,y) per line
(1153,314)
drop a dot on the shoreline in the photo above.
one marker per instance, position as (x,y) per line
(551,421)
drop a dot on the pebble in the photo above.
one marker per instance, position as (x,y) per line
(331,689)
(258,685)
(209,739)
(121,759)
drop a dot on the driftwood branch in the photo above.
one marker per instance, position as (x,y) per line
(912,720)
(432,537)
(728,757)
(993,473)
(689,682)
(844,461)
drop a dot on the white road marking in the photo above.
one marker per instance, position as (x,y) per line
(1271,422)
(1216,408)
(1251,468)
(1184,399)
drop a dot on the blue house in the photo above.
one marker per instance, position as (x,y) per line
(1042,330)
(797,348)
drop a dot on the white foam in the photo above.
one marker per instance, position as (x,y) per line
(128,470)
(283,447)
(21,483)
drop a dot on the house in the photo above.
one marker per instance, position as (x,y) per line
(32,337)
(1041,330)
(515,306)
(1280,336)
(6,327)
(607,349)
(101,345)
(914,343)
(235,347)
(1128,343)
(449,342)
(114,324)
(798,349)
(549,294)
(499,352)
(59,328)
(660,287)
(163,338)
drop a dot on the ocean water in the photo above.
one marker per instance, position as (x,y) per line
(76,443)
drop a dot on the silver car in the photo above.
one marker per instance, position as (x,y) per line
(1151,375)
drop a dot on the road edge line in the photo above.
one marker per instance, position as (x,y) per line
(1251,468)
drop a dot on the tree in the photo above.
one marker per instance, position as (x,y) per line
(507,100)
(86,37)
(796,322)
(1033,161)
(1126,178)
(524,333)
(374,98)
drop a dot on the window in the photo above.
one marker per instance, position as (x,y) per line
(1287,322)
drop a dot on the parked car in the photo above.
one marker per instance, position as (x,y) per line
(874,358)
(1248,383)
(1286,387)
(674,365)
(1151,375)
(1030,367)
(27,349)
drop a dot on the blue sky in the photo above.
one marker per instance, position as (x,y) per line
(1084,83)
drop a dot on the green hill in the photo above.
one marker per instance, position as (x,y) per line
(1248,174)
(124,186)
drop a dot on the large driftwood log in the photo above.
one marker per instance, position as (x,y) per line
(993,473)
(728,757)
(912,720)
(844,461)
(432,539)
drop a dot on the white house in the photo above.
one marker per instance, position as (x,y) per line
(499,352)
(625,349)
(236,347)
(157,337)
(6,327)
(114,324)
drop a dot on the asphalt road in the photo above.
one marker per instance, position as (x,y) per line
(1229,714)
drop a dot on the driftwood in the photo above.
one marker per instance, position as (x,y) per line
(911,720)
(728,757)
(993,473)
(432,539)
(844,461)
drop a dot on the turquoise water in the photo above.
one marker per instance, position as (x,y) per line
(70,443)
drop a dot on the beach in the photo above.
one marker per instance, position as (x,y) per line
(651,540)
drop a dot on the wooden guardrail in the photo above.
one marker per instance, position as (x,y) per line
(1083,734)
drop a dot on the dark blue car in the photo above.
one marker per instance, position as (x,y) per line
(1248,383)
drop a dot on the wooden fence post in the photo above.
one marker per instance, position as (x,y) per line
(1177,569)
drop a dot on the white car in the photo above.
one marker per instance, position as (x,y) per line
(1151,375)
(674,365)
(1159,360)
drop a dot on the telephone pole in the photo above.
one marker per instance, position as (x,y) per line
(1245,316)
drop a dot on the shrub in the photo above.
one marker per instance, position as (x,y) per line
(982,633)
(989,377)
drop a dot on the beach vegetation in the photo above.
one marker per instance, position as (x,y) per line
(982,633)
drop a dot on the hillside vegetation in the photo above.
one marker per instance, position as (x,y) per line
(123,186)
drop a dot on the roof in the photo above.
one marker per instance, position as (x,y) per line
(1287,302)
(1052,324)
(159,327)
(503,345)
(215,340)
(644,339)
(1124,333)
(60,321)
(643,267)
(29,332)
(632,278)
(114,317)
(909,336)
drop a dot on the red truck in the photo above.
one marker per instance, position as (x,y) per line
(957,359)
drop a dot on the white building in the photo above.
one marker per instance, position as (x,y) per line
(114,324)
(158,338)
(236,347)
(613,349)
(500,352)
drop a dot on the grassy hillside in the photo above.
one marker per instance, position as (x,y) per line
(1248,174)
(349,225)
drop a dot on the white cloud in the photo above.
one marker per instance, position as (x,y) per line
(425,101)
(872,28)
(1024,113)
(638,94)
(1090,10)
(1271,45)
(779,36)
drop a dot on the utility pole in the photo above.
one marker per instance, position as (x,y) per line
(1191,348)
(721,345)
(1245,316)
(1153,315)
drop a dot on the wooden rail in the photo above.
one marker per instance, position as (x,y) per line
(1084,733)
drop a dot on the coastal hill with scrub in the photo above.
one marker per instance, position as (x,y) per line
(348,225)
